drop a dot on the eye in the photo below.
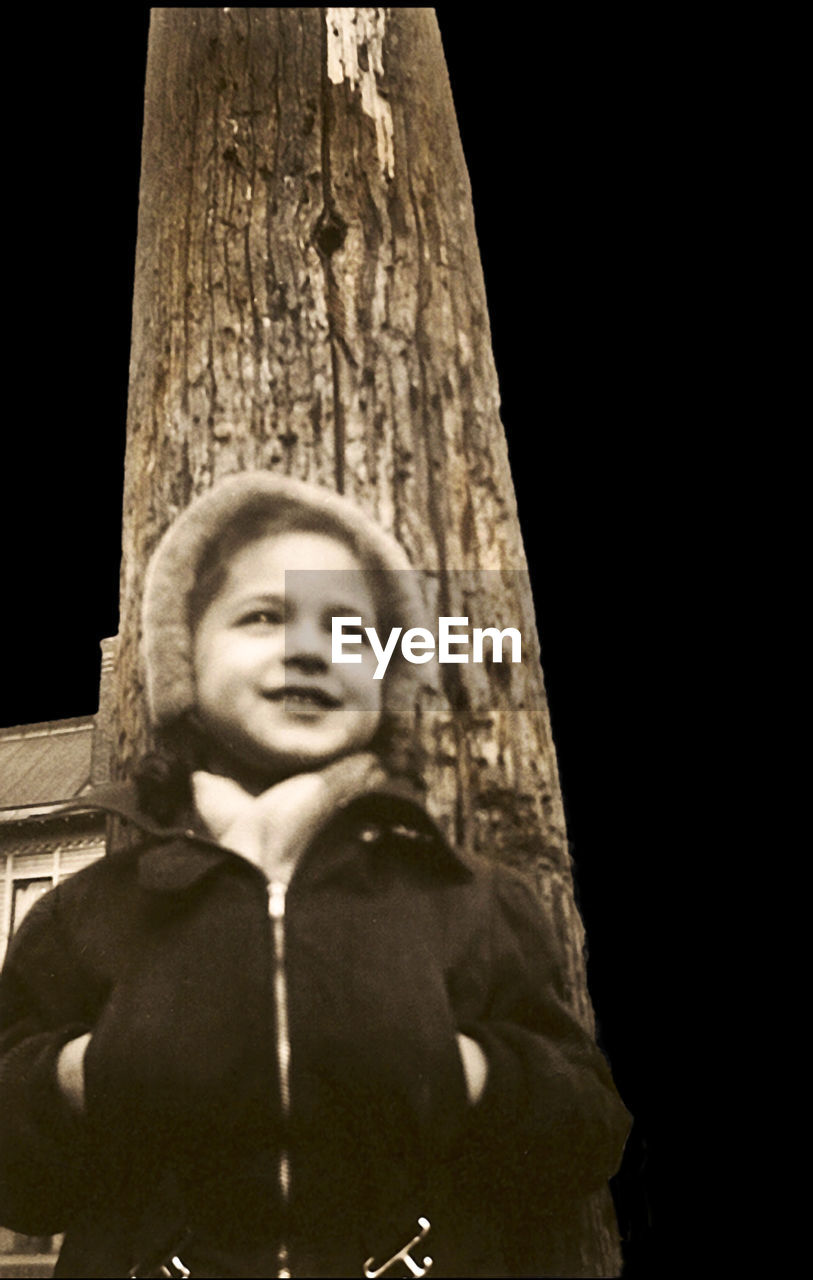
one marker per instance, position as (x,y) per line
(271,616)
(348,611)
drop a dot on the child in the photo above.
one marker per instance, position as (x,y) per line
(283,1028)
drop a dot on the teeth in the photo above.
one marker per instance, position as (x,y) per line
(304,697)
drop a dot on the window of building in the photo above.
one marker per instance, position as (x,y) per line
(29,874)
(24,894)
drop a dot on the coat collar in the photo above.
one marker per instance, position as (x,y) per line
(177,857)
(173,858)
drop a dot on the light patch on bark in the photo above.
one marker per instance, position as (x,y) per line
(349,33)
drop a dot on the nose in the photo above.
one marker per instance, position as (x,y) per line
(307,648)
(308,664)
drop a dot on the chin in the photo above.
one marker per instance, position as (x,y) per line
(285,753)
(318,748)
(301,759)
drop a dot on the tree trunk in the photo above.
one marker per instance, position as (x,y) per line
(309,299)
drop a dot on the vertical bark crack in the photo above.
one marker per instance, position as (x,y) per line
(453,686)
(329,235)
(186,246)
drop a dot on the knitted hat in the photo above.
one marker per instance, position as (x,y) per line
(167,642)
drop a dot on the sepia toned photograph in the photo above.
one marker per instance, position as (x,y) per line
(322,794)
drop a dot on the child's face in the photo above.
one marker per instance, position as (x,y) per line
(268,694)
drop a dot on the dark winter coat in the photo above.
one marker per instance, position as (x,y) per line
(393,943)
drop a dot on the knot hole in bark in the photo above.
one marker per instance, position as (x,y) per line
(330,231)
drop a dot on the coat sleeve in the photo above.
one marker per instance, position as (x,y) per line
(42,1006)
(550,1128)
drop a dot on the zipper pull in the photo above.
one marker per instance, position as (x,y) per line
(404,1255)
(276,899)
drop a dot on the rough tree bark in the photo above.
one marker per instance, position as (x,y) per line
(309,299)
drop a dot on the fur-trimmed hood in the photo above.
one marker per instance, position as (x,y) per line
(172,573)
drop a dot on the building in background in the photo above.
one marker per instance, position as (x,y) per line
(42,766)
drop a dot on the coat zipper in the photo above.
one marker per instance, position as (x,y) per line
(276,911)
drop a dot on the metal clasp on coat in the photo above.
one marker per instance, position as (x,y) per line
(403,1255)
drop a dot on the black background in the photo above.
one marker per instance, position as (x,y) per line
(572,149)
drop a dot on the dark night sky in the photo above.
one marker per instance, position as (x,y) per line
(562,148)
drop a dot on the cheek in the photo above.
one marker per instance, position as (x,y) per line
(365,671)
(219,669)
(364,692)
(371,699)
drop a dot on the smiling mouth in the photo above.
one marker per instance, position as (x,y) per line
(303,696)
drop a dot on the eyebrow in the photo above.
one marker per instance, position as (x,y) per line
(258,599)
(343,608)
(334,608)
